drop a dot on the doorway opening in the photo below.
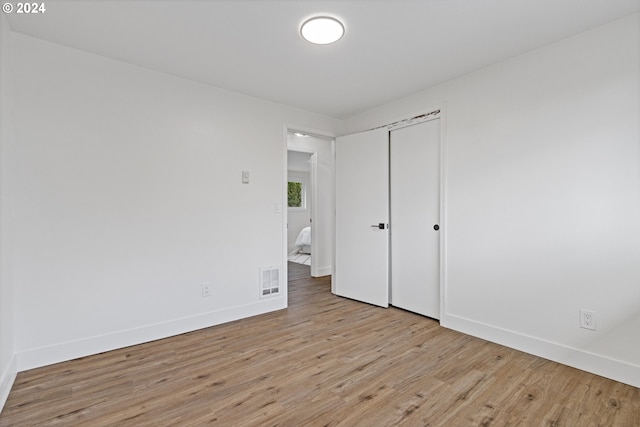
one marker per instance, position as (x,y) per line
(309,197)
(299,207)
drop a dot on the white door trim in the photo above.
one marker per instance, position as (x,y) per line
(443,210)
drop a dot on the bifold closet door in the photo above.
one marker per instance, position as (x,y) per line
(415,216)
(361,269)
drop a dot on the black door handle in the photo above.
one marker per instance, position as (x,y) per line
(436,227)
(380,225)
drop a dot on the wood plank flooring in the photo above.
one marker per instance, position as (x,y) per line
(324,361)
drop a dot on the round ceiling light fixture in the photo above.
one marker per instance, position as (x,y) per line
(322,30)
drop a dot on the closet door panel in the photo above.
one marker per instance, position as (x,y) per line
(415,211)
(362,215)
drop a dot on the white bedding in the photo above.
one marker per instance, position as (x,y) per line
(304,237)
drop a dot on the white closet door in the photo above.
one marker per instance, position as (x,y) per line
(415,210)
(362,203)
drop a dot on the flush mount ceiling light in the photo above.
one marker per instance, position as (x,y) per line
(322,30)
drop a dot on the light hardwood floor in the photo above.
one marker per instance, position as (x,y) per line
(324,361)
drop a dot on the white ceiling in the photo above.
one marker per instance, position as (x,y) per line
(391,48)
(298,161)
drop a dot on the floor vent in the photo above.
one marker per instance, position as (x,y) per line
(269,282)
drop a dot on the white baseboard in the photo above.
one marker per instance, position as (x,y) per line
(62,352)
(323,271)
(7,379)
(594,363)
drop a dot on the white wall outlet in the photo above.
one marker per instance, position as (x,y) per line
(588,319)
(245,177)
(206,289)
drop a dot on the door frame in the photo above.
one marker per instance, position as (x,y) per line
(330,136)
(443,211)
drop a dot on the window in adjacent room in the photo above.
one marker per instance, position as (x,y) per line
(297,194)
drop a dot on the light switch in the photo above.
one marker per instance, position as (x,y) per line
(245,177)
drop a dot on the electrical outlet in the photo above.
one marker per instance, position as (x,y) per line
(206,289)
(587,319)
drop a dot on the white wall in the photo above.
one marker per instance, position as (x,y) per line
(8,365)
(542,192)
(128,196)
(323,224)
